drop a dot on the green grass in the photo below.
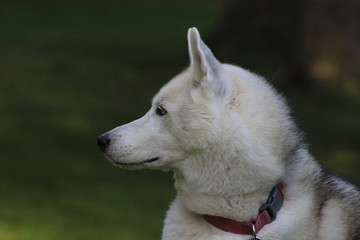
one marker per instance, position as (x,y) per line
(71,71)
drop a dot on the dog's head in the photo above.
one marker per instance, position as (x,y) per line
(179,118)
(211,110)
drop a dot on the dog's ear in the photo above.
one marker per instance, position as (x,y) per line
(208,71)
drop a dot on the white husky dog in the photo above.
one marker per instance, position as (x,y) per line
(240,166)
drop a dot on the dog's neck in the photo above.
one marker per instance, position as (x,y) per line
(240,208)
(233,193)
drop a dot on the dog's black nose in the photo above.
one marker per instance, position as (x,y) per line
(103,141)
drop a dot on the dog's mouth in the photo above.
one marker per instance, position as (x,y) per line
(137,163)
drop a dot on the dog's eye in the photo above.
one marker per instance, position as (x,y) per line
(160,111)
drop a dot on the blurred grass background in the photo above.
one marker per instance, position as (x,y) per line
(71,70)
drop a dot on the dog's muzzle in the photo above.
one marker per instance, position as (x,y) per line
(103,141)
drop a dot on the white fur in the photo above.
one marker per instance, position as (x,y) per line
(332,228)
(227,137)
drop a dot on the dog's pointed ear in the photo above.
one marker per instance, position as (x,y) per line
(207,70)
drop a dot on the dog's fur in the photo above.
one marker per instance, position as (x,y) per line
(229,138)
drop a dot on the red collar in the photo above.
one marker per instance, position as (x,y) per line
(267,214)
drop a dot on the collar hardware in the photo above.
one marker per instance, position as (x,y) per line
(254,237)
(267,214)
(274,201)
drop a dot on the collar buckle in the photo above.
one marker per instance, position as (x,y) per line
(274,202)
(267,214)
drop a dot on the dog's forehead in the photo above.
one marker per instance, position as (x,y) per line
(176,88)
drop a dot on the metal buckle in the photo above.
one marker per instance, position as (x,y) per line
(254,237)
